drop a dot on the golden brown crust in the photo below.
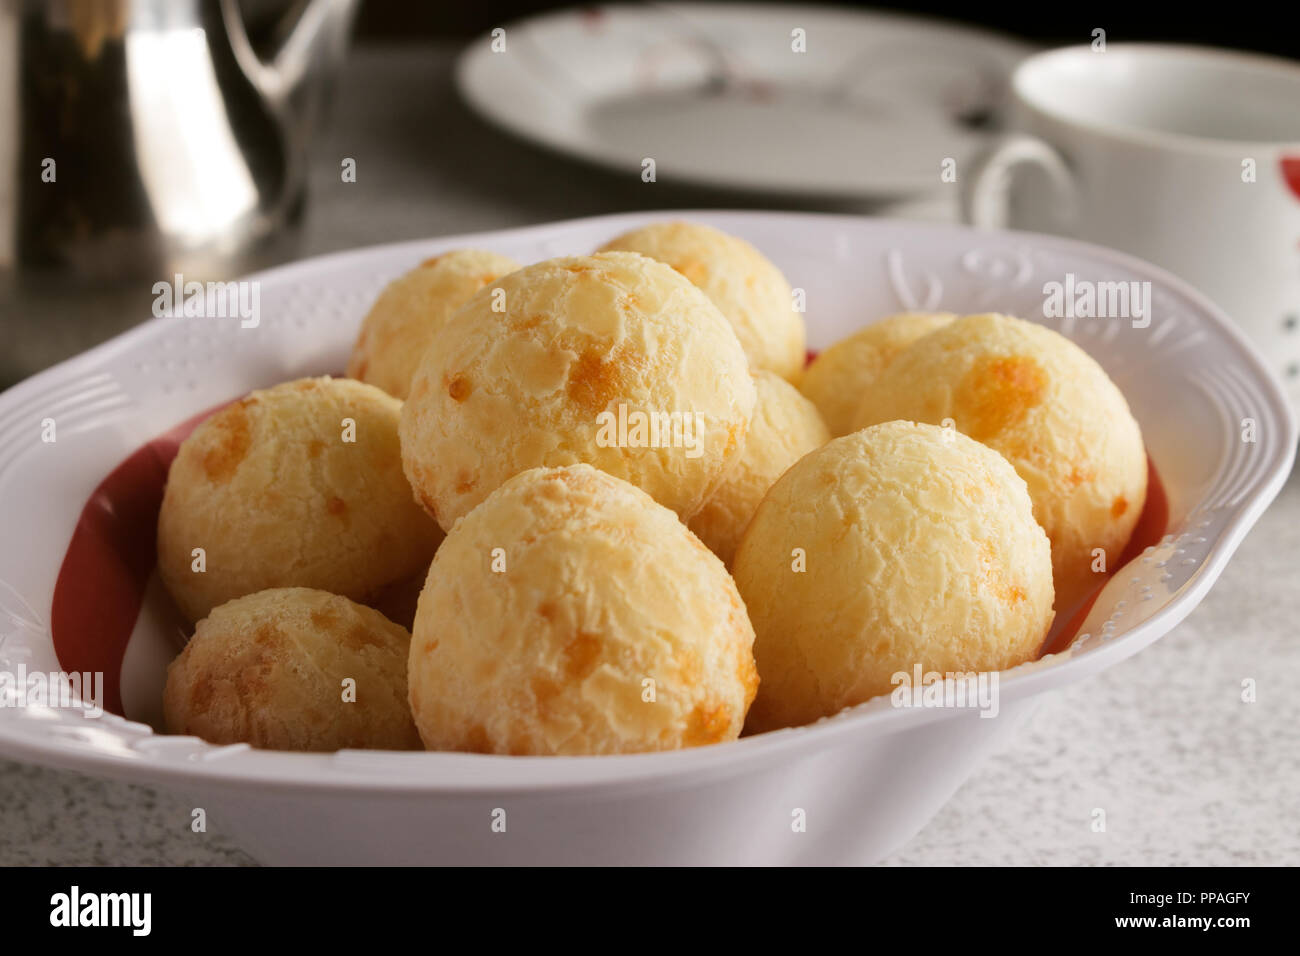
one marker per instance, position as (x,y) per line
(785,427)
(1036,397)
(840,374)
(268,669)
(409,312)
(578,339)
(918,546)
(595,590)
(275,496)
(747,288)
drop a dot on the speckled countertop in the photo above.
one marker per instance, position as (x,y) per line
(1186,772)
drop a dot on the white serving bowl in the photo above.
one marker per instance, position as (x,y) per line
(866,780)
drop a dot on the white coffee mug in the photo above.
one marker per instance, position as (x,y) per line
(1184,156)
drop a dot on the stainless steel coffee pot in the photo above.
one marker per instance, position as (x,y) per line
(146,137)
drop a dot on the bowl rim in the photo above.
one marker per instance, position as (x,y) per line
(141,755)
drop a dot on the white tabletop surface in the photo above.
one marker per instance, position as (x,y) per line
(1186,772)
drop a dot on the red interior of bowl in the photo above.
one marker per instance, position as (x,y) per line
(112,554)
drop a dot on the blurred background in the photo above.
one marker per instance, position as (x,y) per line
(142,138)
(219,151)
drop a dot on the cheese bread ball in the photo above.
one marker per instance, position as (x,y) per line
(299,485)
(785,427)
(898,545)
(269,669)
(1036,397)
(838,376)
(748,289)
(408,313)
(571,614)
(613,359)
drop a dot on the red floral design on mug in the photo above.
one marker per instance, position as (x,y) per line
(1291,173)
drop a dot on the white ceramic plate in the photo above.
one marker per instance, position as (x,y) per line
(716,95)
(866,779)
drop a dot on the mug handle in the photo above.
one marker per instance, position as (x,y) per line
(986,189)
